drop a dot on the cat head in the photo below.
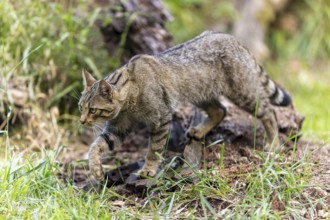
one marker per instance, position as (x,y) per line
(99,101)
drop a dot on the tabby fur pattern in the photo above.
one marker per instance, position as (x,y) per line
(149,87)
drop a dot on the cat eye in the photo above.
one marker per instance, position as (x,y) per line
(80,108)
(92,110)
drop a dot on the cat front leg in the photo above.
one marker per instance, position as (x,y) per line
(158,138)
(102,144)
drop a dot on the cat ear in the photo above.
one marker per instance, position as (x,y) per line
(88,79)
(105,89)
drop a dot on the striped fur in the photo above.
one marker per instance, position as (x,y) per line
(276,94)
(148,88)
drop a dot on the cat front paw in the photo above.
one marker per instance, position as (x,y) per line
(147,172)
(273,146)
(97,172)
(95,166)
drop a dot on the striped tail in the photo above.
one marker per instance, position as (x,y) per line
(277,95)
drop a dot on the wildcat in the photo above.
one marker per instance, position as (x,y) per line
(148,88)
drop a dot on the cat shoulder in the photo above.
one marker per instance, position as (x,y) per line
(141,64)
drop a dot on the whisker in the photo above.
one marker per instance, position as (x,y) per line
(96,129)
(75,94)
(99,127)
(94,132)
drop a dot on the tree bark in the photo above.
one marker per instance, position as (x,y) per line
(137,26)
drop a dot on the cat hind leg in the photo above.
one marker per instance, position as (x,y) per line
(215,114)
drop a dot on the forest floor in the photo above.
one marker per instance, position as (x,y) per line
(43,152)
(234,163)
(226,176)
(233,178)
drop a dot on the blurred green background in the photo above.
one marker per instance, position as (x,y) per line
(44,45)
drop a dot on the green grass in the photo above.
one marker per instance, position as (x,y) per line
(192,17)
(301,64)
(29,189)
(312,101)
(46,45)
(32,191)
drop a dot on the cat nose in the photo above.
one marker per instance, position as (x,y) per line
(82,120)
